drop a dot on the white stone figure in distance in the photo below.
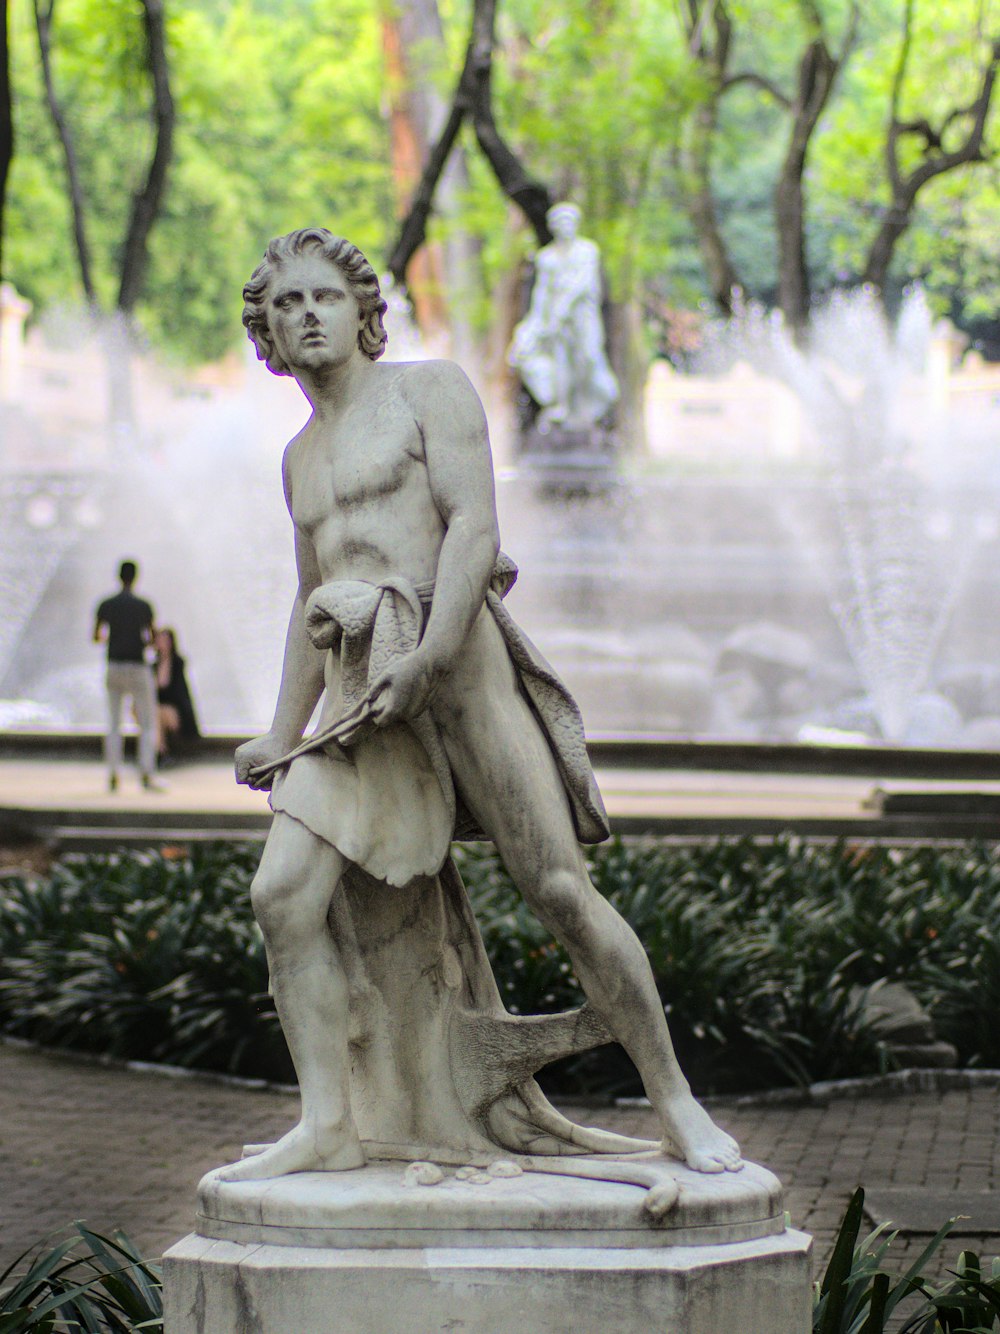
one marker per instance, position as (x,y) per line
(558,348)
(390,489)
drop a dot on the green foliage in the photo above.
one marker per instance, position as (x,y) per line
(279,125)
(858,1296)
(142,956)
(761,953)
(84,1282)
(283,120)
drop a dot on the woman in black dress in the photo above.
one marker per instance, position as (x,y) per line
(176,709)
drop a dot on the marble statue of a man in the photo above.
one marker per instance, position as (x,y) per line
(558,348)
(438,716)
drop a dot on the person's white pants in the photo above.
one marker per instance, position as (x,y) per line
(131,680)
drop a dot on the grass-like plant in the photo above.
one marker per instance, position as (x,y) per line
(85,1282)
(858,1295)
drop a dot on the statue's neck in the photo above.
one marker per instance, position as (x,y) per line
(329,390)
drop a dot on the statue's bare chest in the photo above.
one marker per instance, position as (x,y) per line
(358,467)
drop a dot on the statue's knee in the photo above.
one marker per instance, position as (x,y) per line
(561,903)
(276,903)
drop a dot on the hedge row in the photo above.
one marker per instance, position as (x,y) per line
(757,950)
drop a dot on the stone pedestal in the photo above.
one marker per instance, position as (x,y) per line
(365,1253)
(570,460)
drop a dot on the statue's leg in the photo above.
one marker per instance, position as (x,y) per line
(508,777)
(291,893)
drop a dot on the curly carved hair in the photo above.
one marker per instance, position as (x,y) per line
(361,279)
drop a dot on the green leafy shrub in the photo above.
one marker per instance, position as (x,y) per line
(84,1282)
(857,1295)
(757,949)
(143,956)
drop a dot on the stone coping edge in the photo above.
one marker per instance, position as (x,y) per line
(147,1067)
(895,1083)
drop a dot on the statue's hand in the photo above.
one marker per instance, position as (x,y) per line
(404,689)
(252,754)
(323,632)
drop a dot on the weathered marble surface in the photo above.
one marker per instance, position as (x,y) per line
(437,719)
(429,1185)
(558,349)
(369,1254)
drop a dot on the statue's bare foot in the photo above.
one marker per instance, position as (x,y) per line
(698,1140)
(306,1148)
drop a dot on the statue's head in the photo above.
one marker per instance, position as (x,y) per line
(359,275)
(563,220)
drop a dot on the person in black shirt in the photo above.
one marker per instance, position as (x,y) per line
(125,623)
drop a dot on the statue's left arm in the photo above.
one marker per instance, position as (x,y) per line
(460,473)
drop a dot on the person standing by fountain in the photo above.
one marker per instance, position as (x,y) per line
(125,623)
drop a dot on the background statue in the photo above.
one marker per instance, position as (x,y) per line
(438,719)
(558,348)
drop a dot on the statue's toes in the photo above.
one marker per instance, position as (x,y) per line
(661,1199)
(706,1161)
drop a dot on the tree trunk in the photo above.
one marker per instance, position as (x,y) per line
(148,200)
(530,195)
(6,124)
(895,221)
(630,361)
(43,26)
(414,226)
(146,205)
(816,74)
(934,161)
(472,97)
(701,209)
(442,276)
(709,29)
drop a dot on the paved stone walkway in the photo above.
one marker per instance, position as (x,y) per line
(124,1147)
(683,794)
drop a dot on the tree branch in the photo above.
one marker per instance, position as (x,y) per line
(936,160)
(6,122)
(147,201)
(43,26)
(758,81)
(473,98)
(414,229)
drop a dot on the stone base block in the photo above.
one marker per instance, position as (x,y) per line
(224,1287)
(472,1252)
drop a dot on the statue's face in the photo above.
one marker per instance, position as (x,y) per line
(563,223)
(312,314)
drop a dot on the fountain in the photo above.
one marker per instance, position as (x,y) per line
(897,532)
(743,583)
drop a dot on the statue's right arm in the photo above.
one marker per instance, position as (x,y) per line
(538,307)
(301,669)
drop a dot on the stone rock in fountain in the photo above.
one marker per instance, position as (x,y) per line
(408,1064)
(558,350)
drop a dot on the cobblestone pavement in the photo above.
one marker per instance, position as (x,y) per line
(124,1147)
